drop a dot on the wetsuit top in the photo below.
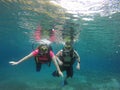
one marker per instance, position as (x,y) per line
(36,52)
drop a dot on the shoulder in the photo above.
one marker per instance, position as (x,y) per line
(51,53)
(35,52)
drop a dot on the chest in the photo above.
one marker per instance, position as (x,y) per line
(43,57)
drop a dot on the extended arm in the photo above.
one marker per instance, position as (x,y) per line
(21,60)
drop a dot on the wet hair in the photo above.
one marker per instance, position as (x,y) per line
(40,46)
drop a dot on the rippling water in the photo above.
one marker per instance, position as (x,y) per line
(98,45)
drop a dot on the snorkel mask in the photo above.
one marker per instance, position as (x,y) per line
(44,49)
(68,46)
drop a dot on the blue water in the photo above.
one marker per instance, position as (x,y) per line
(98,46)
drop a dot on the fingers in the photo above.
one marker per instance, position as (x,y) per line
(12,63)
(61,63)
(78,68)
(61,74)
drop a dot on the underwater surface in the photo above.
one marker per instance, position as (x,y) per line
(98,46)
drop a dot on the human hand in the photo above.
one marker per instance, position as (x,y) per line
(13,63)
(78,66)
(60,73)
(60,63)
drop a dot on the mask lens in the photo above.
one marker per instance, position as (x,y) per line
(68,47)
(44,49)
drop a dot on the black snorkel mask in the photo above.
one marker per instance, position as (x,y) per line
(43,49)
(68,45)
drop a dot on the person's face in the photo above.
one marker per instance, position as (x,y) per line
(44,49)
(68,47)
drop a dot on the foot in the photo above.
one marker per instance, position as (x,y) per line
(55,74)
(64,83)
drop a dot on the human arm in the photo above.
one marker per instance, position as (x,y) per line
(57,55)
(78,60)
(21,60)
(59,61)
(57,66)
